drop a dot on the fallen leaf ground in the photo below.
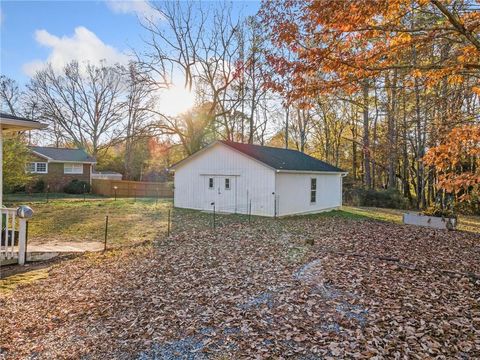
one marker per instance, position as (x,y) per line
(364,288)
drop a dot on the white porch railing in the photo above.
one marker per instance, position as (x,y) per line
(13,236)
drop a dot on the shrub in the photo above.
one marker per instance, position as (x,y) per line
(19,189)
(39,186)
(15,156)
(376,198)
(439,212)
(470,207)
(77,187)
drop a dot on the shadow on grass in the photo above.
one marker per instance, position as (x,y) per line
(12,276)
(72,219)
(345,213)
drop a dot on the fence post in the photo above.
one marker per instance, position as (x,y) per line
(250,212)
(168,223)
(274,205)
(106,234)
(213,215)
(277,204)
(22,239)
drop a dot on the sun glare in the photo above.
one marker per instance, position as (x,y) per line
(176,100)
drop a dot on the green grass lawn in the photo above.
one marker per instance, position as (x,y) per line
(71,219)
(466,223)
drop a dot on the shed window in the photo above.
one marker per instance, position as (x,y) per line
(227,184)
(210,183)
(72,168)
(37,167)
(313,190)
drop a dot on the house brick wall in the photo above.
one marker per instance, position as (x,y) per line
(55,176)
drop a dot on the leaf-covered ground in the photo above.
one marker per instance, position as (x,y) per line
(364,288)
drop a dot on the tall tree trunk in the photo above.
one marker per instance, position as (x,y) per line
(366,137)
(354,149)
(420,150)
(391,129)
(287,116)
(405,162)
(375,139)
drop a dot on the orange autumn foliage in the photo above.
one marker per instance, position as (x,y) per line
(457,162)
(337,43)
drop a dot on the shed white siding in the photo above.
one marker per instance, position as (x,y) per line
(250,182)
(293,192)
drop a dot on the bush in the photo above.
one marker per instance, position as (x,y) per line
(19,189)
(15,155)
(39,186)
(376,198)
(439,212)
(470,207)
(77,187)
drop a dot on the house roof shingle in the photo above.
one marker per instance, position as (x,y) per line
(67,155)
(17,123)
(13,117)
(283,159)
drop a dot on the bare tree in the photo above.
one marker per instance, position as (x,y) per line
(139,103)
(84,103)
(9,95)
(191,128)
(219,57)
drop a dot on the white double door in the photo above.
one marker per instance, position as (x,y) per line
(223,193)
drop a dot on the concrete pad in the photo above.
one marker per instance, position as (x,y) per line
(67,246)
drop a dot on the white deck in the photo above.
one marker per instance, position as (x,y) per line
(13,237)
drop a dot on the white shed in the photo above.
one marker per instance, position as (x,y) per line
(268,181)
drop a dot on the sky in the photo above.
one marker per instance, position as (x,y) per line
(33,33)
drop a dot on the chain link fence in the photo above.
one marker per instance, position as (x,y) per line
(77,224)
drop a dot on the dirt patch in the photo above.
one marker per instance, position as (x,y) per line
(65,246)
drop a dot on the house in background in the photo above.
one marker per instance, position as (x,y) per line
(57,167)
(262,180)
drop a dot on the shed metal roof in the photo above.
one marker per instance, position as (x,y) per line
(63,155)
(283,159)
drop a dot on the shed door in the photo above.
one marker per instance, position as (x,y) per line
(221,190)
(225,190)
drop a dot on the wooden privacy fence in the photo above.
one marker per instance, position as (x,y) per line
(127,188)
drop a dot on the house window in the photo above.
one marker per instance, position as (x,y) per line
(72,168)
(227,184)
(210,183)
(313,190)
(37,167)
